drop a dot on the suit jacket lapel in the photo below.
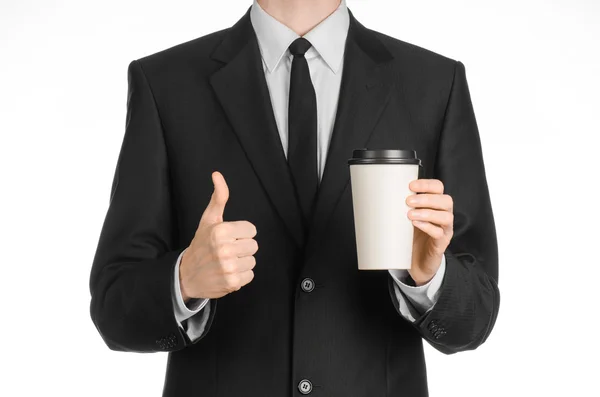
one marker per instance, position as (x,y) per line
(364,92)
(242,90)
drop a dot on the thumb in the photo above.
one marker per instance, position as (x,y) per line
(216,207)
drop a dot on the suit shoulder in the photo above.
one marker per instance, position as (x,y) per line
(415,56)
(193,52)
(423,77)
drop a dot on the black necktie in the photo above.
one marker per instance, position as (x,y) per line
(302,130)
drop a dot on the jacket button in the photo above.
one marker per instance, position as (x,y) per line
(432,325)
(308,285)
(305,386)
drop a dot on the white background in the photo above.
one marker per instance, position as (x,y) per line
(534,72)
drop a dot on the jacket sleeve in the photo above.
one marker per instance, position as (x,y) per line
(133,267)
(469,298)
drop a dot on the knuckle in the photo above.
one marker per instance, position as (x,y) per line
(247,278)
(249,262)
(228,267)
(232,283)
(220,231)
(423,201)
(439,233)
(214,235)
(223,251)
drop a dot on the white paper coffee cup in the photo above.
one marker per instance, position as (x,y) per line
(379,182)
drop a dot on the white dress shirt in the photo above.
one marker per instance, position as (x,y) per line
(325,61)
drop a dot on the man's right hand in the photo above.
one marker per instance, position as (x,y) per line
(220,258)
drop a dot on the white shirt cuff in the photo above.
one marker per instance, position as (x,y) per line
(182,310)
(415,301)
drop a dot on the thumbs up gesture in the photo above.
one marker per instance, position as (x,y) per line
(219,260)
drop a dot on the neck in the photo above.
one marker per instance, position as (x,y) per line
(299,15)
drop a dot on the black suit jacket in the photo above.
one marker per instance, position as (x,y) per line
(203,106)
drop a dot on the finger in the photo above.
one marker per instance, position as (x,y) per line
(246,277)
(440,218)
(427,186)
(244,247)
(234,282)
(241,229)
(433,230)
(216,207)
(246,263)
(427,200)
(237,265)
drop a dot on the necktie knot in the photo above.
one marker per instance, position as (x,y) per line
(299,46)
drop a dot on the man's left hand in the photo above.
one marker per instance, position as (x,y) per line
(433,218)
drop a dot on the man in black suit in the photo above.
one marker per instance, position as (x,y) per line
(270,110)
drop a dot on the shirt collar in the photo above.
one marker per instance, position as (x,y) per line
(328,38)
